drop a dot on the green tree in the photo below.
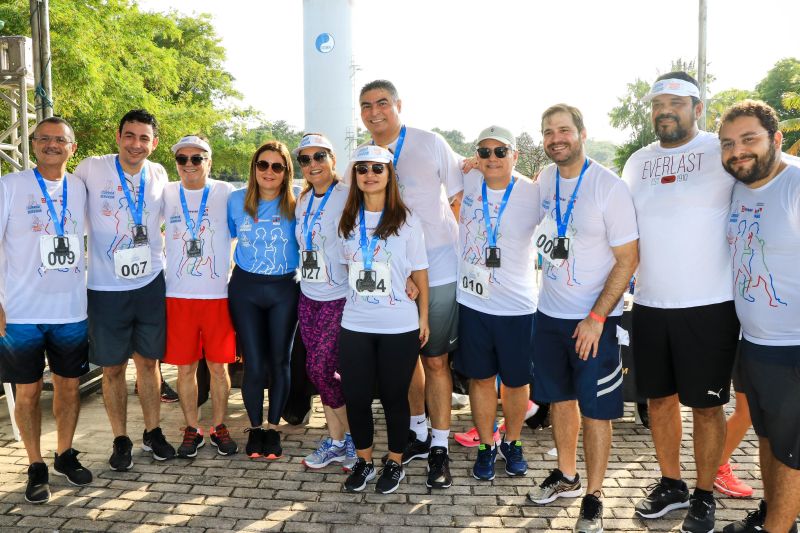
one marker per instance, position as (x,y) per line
(632,114)
(776,89)
(532,158)
(601,151)
(721,101)
(457,142)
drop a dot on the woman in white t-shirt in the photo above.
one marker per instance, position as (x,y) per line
(382,328)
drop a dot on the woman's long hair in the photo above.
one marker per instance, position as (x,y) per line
(394,210)
(286,194)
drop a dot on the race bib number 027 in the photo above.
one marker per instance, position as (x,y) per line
(315,271)
(59,252)
(132,263)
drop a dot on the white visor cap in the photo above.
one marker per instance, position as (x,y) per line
(672,86)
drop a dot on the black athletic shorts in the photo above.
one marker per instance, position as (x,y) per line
(688,351)
(771,379)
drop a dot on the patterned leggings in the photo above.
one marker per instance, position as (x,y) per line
(319,328)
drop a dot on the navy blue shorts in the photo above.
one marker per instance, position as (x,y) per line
(490,345)
(560,375)
(23,349)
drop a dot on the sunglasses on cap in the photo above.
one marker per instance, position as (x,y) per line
(377,168)
(196,159)
(499,151)
(263,165)
(319,157)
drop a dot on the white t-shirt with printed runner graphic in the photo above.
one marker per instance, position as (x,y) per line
(34,294)
(682,198)
(110,222)
(602,217)
(329,282)
(511,289)
(204,277)
(764,236)
(403,253)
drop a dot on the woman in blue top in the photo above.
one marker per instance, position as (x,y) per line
(263,293)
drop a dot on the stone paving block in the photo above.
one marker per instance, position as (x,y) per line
(121,516)
(77,524)
(305,527)
(44,522)
(258,525)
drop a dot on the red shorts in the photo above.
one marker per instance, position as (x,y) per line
(198,328)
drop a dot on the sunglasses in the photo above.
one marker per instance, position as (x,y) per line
(499,151)
(263,165)
(377,168)
(319,157)
(196,159)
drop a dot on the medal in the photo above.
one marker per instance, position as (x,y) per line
(136,210)
(139,235)
(310,259)
(493,257)
(194,248)
(560,248)
(366,281)
(492,251)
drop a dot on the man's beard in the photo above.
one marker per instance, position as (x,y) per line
(679,133)
(761,166)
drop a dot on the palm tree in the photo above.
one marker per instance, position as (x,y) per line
(791,101)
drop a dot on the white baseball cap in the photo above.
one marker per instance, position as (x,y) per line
(672,86)
(498,133)
(191,141)
(374,153)
(313,140)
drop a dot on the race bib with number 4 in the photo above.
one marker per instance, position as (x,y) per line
(59,252)
(474,280)
(312,268)
(375,282)
(132,263)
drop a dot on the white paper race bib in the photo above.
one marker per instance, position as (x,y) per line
(132,263)
(316,274)
(544,237)
(59,252)
(361,281)
(474,280)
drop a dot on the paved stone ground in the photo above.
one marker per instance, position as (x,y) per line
(214,494)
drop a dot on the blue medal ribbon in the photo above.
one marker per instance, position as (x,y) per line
(308,229)
(368,247)
(561,224)
(491,233)
(190,225)
(136,212)
(58,223)
(399,147)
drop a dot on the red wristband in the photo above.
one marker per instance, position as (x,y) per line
(597,317)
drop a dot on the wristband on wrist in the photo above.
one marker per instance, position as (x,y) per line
(597,317)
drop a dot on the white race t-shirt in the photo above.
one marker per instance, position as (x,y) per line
(682,198)
(110,223)
(764,235)
(512,287)
(404,253)
(429,173)
(204,277)
(332,284)
(33,294)
(603,217)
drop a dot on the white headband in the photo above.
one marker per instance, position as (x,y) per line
(673,86)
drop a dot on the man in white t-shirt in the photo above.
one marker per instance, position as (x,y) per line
(685,328)
(497,297)
(42,214)
(589,241)
(198,246)
(126,284)
(764,236)
(429,174)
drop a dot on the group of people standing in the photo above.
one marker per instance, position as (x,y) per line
(416,253)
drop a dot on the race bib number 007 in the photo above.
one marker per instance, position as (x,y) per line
(132,263)
(59,252)
(375,282)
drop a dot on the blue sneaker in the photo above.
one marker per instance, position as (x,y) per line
(350,453)
(511,452)
(326,454)
(484,463)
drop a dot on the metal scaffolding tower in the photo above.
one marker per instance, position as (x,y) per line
(16,79)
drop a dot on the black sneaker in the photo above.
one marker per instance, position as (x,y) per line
(255,442)
(221,438)
(590,518)
(272,445)
(192,441)
(753,522)
(38,489)
(700,518)
(391,476)
(67,465)
(154,441)
(438,469)
(121,458)
(415,449)
(662,499)
(362,473)
(167,394)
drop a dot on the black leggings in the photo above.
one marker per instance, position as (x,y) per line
(389,360)
(264,313)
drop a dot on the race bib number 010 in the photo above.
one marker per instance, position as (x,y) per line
(132,263)
(375,282)
(59,252)
(312,268)
(474,280)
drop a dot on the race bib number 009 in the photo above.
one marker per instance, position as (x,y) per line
(59,252)
(377,282)
(132,263)
(474,280)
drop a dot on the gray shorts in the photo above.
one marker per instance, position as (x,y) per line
(443,321)
(123,322)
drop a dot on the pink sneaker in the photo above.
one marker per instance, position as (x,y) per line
(727,483)
(470,438)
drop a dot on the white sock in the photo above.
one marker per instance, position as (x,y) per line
(419,427)
(337,443)
(439,437)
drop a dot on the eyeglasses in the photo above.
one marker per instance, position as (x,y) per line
(748,140)
(46,139)
(196,159)
(499,151)
(377,168)
(263,165)
(319,157)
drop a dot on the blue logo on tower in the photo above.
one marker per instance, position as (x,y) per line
(324,43)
